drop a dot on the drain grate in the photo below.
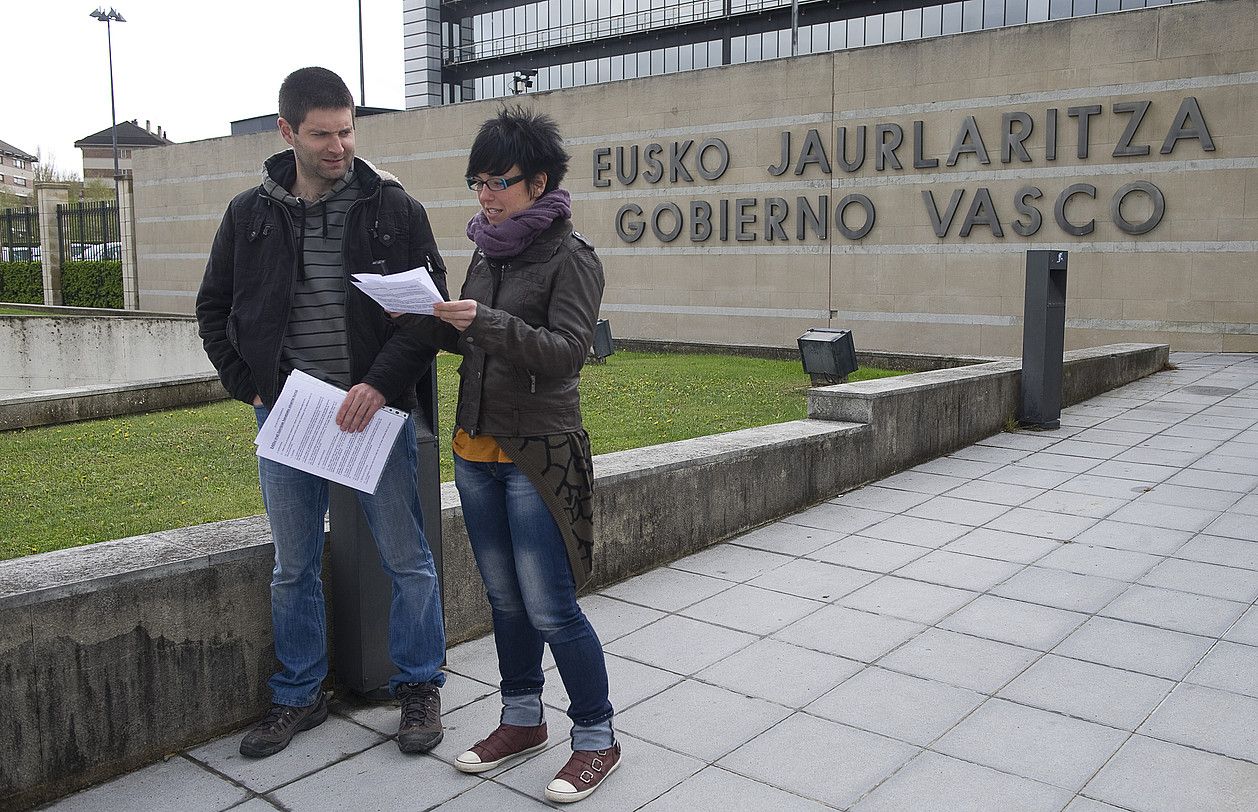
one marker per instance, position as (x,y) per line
(1210,391)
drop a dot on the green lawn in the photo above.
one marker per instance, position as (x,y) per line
(15,310)
(79,483)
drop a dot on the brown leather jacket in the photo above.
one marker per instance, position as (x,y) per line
(523,353)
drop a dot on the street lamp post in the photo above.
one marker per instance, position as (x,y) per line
(107,17)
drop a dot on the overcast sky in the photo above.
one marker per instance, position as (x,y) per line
(190,67)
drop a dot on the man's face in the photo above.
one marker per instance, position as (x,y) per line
(323,144)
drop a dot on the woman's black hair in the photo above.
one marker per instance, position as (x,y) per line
(519,137)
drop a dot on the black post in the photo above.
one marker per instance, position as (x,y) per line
(359,588)
(1043,339)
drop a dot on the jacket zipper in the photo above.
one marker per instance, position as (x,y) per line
(288,312)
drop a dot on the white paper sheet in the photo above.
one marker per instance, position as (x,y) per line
(408,292)
(301,432)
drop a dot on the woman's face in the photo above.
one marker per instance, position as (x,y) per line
(517,197)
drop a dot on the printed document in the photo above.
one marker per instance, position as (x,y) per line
(408,292)
(301,432)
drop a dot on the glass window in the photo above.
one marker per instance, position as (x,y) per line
(972,15)
(893,26)
(686,57)
(1036,11)
(617,67)
(737,50)
(657,62)
(855,33)
(670,60)
(952,18)
(631,66)
(1057,9)
(714,53)
(873,29)
(753,47)
(993,13)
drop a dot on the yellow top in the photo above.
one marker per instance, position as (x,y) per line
(478,449)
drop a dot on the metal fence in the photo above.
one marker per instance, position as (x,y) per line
(19,234)
(89,231)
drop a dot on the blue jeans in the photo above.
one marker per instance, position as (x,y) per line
(521,557)
(296,503)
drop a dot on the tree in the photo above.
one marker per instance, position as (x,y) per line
(46,169)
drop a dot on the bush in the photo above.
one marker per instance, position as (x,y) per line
(92,283)
(23,282)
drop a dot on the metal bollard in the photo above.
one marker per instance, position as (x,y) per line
(360,590)
(1043,339)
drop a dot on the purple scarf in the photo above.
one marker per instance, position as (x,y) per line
(517,232)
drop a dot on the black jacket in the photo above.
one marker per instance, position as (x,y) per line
(523,353)
(245,298)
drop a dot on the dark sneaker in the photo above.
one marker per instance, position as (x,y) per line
(420,728)
(583,774)
(504,744)
(279,726)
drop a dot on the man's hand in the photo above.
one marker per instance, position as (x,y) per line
(459,313)
(257,400)
(360,405)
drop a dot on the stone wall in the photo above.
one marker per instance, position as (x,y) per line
(1164,98)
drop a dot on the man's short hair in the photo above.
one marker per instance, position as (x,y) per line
(520,137)
(307,89)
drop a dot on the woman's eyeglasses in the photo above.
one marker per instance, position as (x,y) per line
(494,184)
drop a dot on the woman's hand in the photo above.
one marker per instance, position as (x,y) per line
(459,314)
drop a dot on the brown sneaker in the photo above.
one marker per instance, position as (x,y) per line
(420,728)
(278,727)
(504,744)
(583,773)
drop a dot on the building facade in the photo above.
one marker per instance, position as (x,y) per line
(459,50)
(98,148)
(17,170)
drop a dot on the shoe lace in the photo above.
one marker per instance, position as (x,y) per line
(418,705)
(275,718)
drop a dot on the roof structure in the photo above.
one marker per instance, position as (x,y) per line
(130,134)
(8,149)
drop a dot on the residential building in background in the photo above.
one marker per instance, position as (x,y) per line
(98,153)
(455,50)
(17,170)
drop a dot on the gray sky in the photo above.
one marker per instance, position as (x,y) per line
(191,67)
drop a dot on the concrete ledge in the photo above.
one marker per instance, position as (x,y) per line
(52,406)
(908,361)
(114,654)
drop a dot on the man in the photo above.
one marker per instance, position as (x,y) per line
(276,297)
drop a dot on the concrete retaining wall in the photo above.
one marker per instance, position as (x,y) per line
(90,402)
(114,654)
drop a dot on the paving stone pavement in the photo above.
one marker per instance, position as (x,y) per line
(1041,621)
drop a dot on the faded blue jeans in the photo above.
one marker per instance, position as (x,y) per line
(296,503)
(522,559)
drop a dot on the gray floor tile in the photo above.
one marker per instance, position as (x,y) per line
(476,659)
(700,720)
(780,672)
(751,609)
(1184,496)
(1110,487)
(1248,505)
(310,751)
(1029,476)
(176,783)
(646,772)
(1064,590)
(919,482)
(856,635)
(1198,432)
(1208,719)
(1059,526)
(1076,504)
(1086,559)
(1234,525)
(1228,667)
(816,580)
(1002,545)
(381,778)
(1201,446)
(1177,611)
(908,600)
(1126,439)
(258,804)
(716,790)
(1228,464)
(1176,517)
(999,493)
(788,539)
(470,724)
(910,530)
(1214,480)
(908,708)
(667,589)
(1204,579)
(730,562)
(1064,463)
(1245,630)
(1032,743)
(1227,552)
(864,553)
(837,518)
(937,783)
(1158,456)
(489,795)
(1077,447)
(876,497)
(970,462)
(1098,693)
(961,660)
(1120,644)
(680,644)
(817,746)
(1022,440)
(1029,625)
(612,618)
(1139,471)
(628,682)
(958,511)
(1135,537)
(958,570)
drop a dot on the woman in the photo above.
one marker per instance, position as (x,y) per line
(521,456)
